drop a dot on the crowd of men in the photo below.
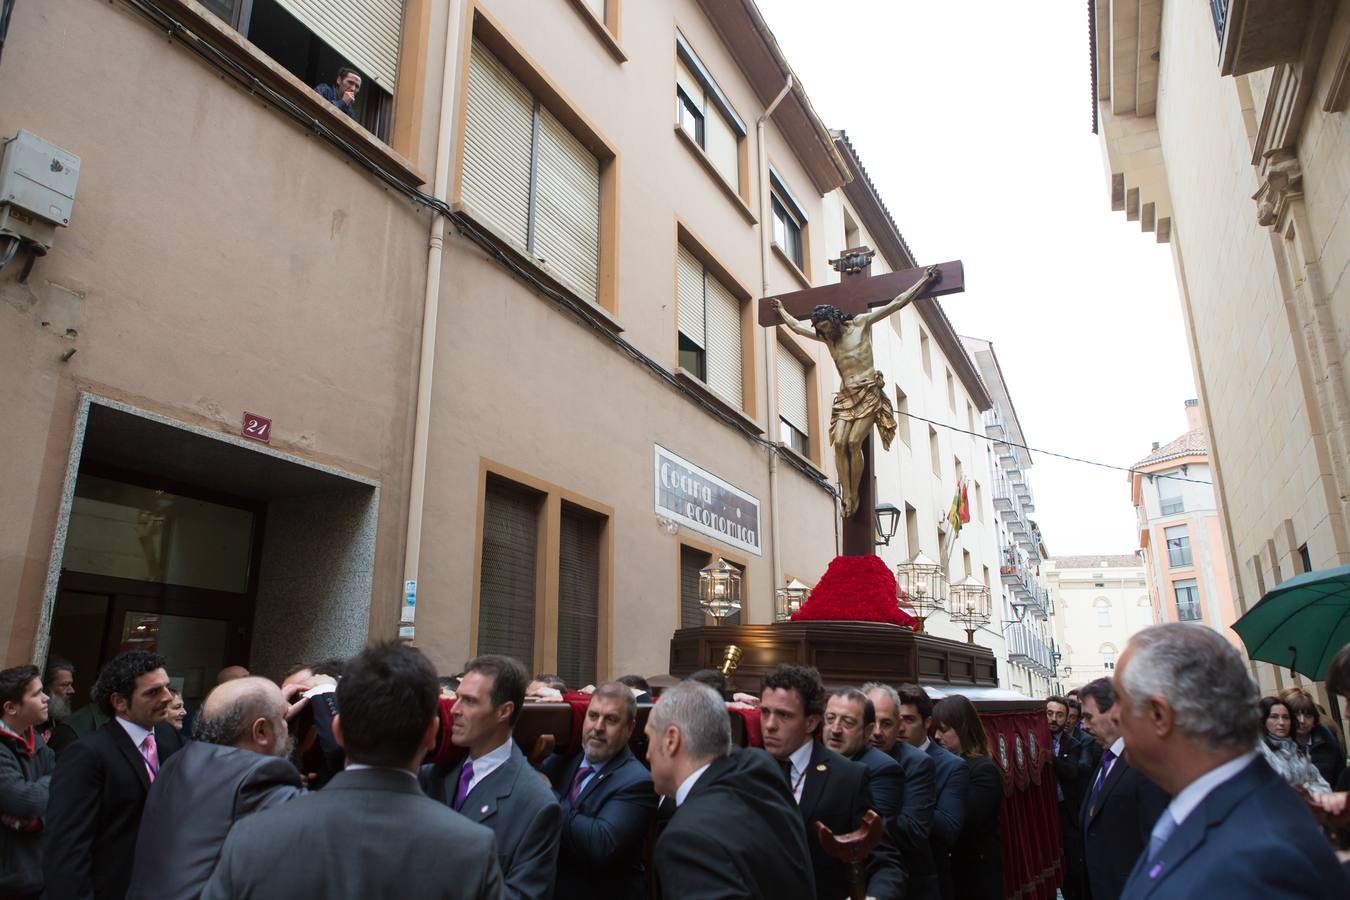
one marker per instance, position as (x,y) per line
(406,783)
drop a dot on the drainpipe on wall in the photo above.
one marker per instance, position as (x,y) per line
(770,350)
(430,311)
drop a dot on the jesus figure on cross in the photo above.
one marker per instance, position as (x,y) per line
(861,401)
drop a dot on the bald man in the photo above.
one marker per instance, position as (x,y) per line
(236,766)
(229,673)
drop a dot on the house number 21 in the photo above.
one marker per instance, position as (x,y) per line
(257,428)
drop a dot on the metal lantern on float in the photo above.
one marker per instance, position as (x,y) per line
(924,583)
(788,599)
(971,605)
(719,590)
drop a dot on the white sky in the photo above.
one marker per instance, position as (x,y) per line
(974,119)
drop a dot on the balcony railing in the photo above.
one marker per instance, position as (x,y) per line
(1219,10)
(1026,647)
(1188,612)
(1027,591)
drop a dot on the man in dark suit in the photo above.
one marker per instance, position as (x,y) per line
(849,719)
(1121,804)
(1233,829)
(237,766)
(828,788)
(607,804)
(951,778)
(1073,770)
(494,784)
(370,833)
(99,787)
(912,828)
(735,833)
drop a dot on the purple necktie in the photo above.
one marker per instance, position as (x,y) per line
(582,773)
(465,776)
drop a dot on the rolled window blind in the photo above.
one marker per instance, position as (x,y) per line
(792,390)
(506,586)
(498,139)
(692,315)
(720,144)
(364,32)
(578,595)
(724,343)
(567,208)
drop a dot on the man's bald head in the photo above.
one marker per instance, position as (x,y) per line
(246,712)
(230,673)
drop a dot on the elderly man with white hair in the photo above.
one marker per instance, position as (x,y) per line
(735,832)
(1234,829)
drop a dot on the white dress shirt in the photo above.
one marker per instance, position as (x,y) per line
(138,736)
(800,759)
(688,784)
(924,745)
(488,763)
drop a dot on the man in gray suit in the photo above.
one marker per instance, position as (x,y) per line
(236,767)
(370,833)
(495,784)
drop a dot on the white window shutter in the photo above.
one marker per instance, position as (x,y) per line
(498,139)
(567,208)
(792,390)
(692,317)
(721,147)
(364,32)
(724,343)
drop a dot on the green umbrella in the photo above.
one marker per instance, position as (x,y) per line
(1302,623)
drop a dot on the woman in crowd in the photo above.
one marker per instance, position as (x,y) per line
(177,711)
(1282,752)
(1315,740)
(977,863)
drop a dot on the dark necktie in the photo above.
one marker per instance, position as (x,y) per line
(576,783)
(1102,771)
(786,766)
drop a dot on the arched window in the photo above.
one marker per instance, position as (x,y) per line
(1103,607)
(1108,652)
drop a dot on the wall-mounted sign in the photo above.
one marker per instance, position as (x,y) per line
(699,500)
(257,428)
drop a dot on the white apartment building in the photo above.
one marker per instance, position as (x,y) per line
(1099,602)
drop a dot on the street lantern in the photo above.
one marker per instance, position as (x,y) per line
(923,583)
(719,590)
(971,605)
(788,599)
(888,521)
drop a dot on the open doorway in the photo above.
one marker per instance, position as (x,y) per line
(205,549)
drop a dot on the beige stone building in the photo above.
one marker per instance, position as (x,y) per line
(477,364)
(1099,602)
(1226,135)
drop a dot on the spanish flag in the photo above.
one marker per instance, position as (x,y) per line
(959,514)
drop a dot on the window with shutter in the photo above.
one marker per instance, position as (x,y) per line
(724,342)
(692,313)
(507,579)
(578,594)
(527,177)
(365,32)
(792,400)
(704,113)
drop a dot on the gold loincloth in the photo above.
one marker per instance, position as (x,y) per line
(864,399)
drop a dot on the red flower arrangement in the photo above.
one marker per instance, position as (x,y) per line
(855,589)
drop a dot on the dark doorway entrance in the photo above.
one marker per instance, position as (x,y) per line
(198,546)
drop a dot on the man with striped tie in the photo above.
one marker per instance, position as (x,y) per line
(607,804)
(99,787)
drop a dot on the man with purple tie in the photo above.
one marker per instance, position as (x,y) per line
(494,785)
(607,804)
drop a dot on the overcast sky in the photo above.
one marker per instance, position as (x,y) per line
(974,119)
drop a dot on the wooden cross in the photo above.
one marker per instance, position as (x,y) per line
(857,292)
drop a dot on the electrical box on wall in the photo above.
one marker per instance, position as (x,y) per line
(37,189)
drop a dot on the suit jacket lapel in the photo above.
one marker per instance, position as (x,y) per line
(817,773)
(483,799)
(1118,767)
(132,753)
(608,768)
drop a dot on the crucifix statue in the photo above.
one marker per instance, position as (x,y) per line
(841,316)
